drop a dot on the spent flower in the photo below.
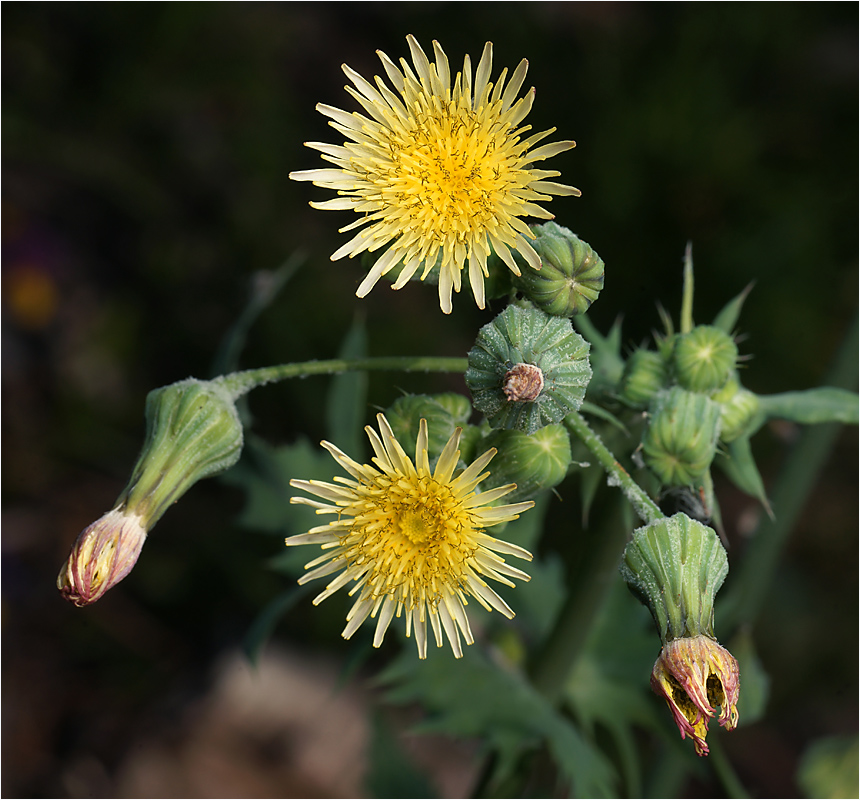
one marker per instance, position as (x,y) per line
(675,566)
(439,173)
(411,540)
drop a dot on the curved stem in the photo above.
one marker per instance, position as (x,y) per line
(240,383)
(644,506)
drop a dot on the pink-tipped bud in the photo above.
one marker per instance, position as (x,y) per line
(103,554)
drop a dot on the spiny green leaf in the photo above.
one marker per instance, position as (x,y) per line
(264,473)
(475,698)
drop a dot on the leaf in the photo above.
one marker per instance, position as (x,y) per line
(475,698)
(829,768)
(740,468)
(264,474)
(346,403)
(606,362)
(755,682)
(265,287)
(814,406)
(728,316)
(264,625)
(390,772)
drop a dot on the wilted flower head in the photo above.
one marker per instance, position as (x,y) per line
(440,173)
(695,675)
(102,556)
(411,539)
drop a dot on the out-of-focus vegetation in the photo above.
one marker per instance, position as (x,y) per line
(146,153)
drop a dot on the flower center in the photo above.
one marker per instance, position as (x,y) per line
(417,527)
(446,174)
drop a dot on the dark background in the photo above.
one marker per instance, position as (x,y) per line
(146,149)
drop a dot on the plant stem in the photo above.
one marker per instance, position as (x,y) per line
(644,506)
(240,383)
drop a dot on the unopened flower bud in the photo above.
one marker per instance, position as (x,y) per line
(571,273)
(681,438)
(533,462)
(704,358)
(675,566)
(527,369)
(645,374)
(102,556)
(406,413)
(739,409)
(192,432)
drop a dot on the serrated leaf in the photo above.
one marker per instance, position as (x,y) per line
(264,474)
(346,402)
(473,697)
(814,406)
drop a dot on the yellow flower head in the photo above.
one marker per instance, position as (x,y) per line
(693,675)
(439,173)
(411,540)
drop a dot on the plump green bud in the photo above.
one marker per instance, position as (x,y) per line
(681,437)
(645,374)
(704,358)
(192,432)
(739,408)
(675,566)
(571,275)
(533,462)
(527,369)
(406,413)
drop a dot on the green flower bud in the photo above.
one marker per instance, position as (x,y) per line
(571,274)
(645,374)
(457,405)
(681,438)
(406,413)
(527,369)
(704,358)
(192,432)
(675,567)
(739,407)
(533,462)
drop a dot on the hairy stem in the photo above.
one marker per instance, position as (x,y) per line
(644,506)
(240,383)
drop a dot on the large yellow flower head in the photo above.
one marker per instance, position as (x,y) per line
(411,540)
(439,173)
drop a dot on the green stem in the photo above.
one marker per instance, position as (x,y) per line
(644,506)
(240,383)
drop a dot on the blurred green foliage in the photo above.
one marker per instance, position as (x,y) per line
(146,153)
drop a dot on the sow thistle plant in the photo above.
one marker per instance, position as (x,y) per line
(441,173)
